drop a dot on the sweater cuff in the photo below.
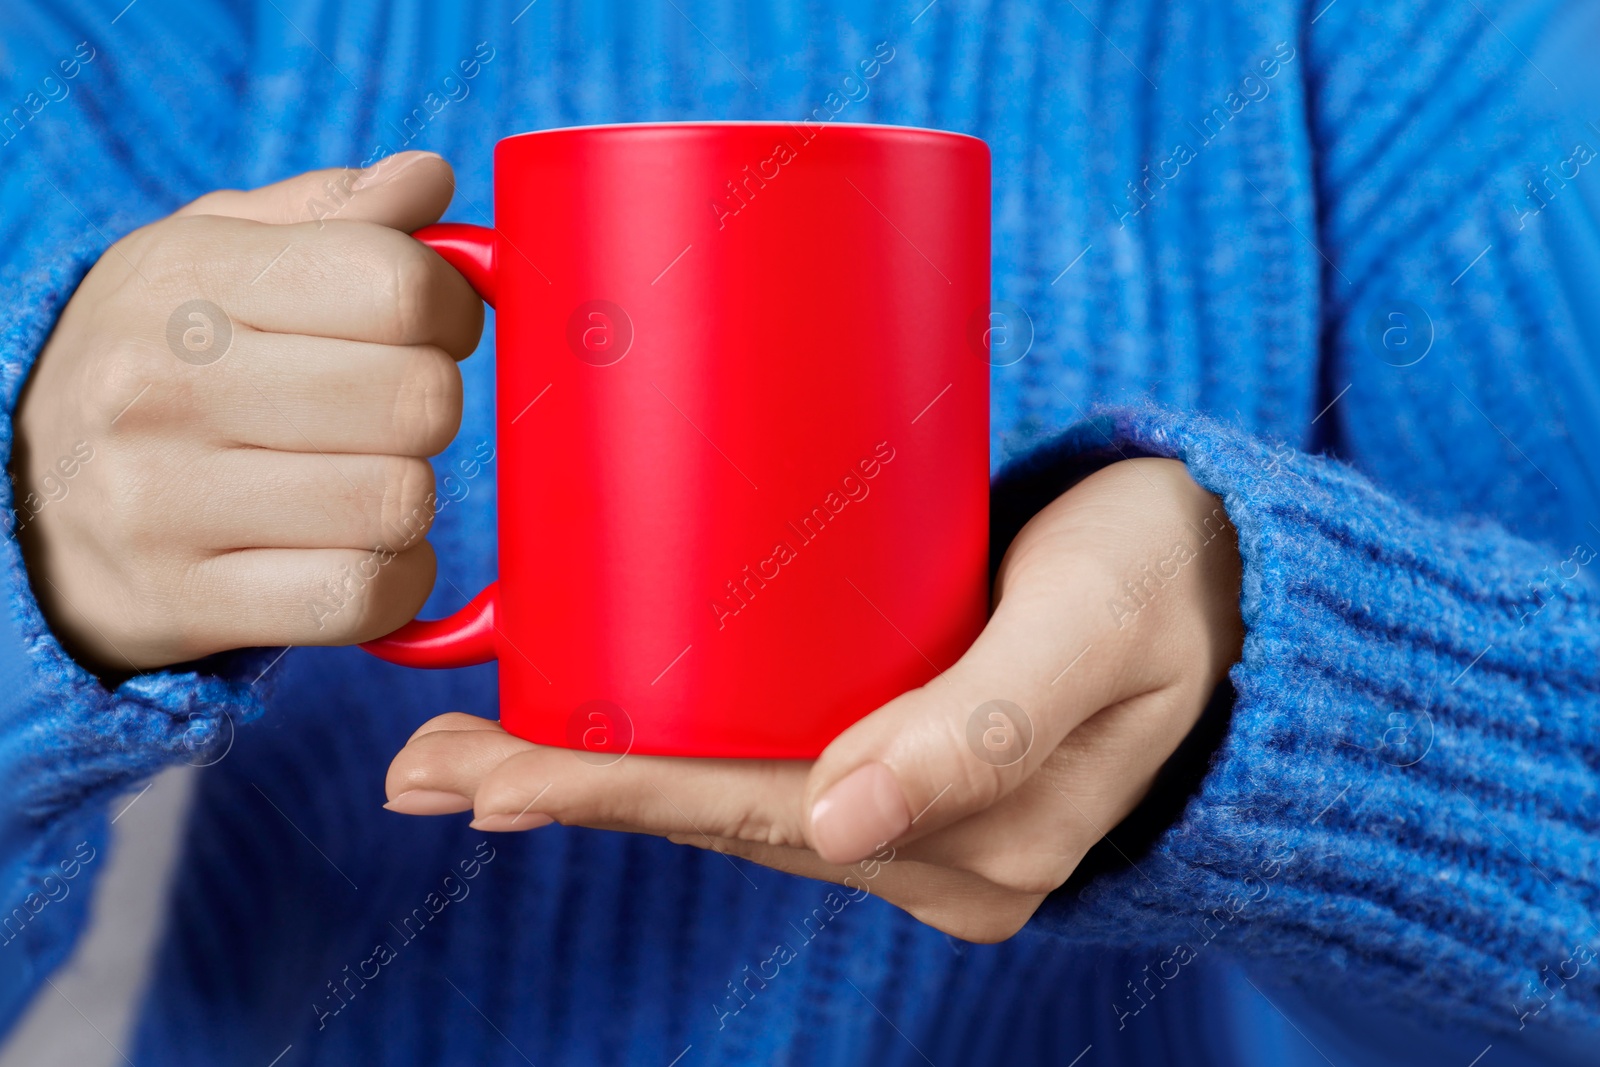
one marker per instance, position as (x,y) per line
(1401,808)
(65,738)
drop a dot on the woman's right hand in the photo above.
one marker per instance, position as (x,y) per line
(224,443)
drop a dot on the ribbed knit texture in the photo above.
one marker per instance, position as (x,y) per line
(1397,836)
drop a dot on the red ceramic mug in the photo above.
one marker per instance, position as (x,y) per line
(742,431)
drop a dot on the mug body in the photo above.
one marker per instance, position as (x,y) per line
(743,429)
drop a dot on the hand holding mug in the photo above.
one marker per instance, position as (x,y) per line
(967,800)
(256,383)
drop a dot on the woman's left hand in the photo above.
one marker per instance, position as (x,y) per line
(1116,616)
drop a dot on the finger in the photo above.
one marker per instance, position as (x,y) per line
(271,596)
(953,902)
(295,393)
(1032,839)
(348,279)
(1049,658)
(747,799)
(260,598)
(252,498)
(453,757)
(957,745)
(404,191)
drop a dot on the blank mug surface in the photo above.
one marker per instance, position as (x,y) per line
(742,429)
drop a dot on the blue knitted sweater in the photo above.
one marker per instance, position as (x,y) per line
(1342,259)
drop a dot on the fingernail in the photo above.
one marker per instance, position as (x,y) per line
(861,811)
(429,802)
(388,167)
(500,823)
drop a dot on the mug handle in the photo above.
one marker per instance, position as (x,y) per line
(467,637)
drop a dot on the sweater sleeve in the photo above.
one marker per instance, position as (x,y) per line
(1404,807)
(78,158)
(1404,803)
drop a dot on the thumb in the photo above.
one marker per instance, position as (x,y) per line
(971,736)
(404,191)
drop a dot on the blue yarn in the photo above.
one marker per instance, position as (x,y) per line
(1395,838)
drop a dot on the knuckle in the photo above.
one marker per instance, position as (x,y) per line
(428,401)
(343,599)
(411,283)
(759,829)
(216,202)
(391,588)
(114,377)
(980,783)
(147,238)
(510,788)
(213,203)
(964,772)
(760,825)
(168,251)
(406,515)
(133,247)
(182,256)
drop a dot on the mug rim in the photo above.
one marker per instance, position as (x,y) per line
(685,124)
